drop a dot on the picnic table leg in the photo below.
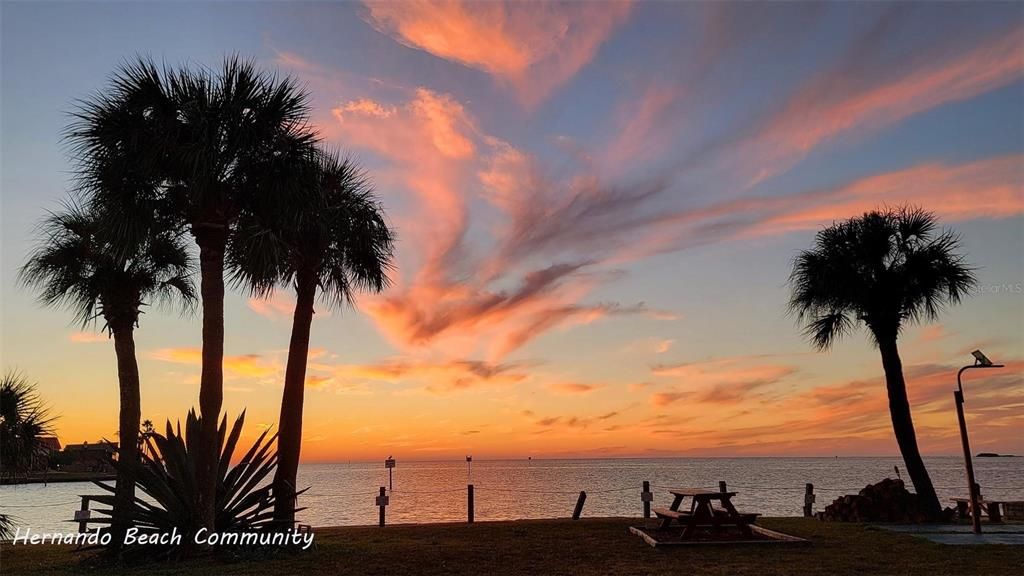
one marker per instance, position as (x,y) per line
(701,512)
(666,522)
(736,517)
(961,509)
(993,513)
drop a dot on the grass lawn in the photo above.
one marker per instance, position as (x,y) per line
(552,547)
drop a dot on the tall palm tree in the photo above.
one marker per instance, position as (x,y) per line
(334,239)
(886,269)
(73,266)
(24,419)
(199,146)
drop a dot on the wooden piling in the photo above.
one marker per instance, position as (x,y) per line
(721,486)
(809,500)
(579,505)
(382,502)
(469,502)
(645,496)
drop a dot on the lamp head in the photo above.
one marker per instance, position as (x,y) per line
(980,359)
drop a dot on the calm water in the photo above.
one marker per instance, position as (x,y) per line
(343,494)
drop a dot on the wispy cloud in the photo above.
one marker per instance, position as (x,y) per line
(239,366)
(534,47)
(573,387)
(721,380)
(87,337)
(499,295)
(436,377)
(844,100)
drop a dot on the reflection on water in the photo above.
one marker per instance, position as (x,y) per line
(343,494)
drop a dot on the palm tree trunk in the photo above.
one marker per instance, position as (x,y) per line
(128,431)
(211,239)
(903,427)
(289,439)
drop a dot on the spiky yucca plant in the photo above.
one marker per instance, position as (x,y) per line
(167,476)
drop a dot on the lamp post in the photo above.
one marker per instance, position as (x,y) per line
(980,361)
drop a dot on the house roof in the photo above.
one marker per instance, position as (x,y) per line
(50,442)
(101,445)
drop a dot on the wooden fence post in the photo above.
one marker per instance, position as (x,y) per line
(646,497)
(382,501)
(809,501)
(579,505)
(721,486)
(469,502)
(83,516)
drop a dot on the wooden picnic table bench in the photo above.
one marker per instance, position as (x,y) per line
(702,514)
(990,507)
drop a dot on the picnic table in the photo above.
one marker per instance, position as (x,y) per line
(989,507)
(702,514)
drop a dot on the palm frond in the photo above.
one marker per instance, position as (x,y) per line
(886,268)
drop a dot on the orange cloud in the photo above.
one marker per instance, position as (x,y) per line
(437,377)
(240,366)
(87,337)
(536,47)
(723,371)
(722,381)
(665,398)
(573,387)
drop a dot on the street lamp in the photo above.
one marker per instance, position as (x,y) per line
(980,361)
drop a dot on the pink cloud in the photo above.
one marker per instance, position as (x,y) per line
(462,301)
(838,102)
(278,306)
(932,333)
(987,188)
(535,47)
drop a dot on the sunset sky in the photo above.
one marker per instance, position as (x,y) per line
(597,208)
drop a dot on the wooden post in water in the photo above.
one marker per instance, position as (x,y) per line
(646,497)
(382,501)
(809,501)
(579,505)
(721,486)
(469,502)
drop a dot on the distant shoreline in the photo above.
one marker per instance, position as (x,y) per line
(57,477)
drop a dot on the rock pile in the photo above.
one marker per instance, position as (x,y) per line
(886,501)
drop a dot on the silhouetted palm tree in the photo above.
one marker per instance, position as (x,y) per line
(146,431)
(24,419)
(196,146)
(73,266)
(334,239)
(886,270)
